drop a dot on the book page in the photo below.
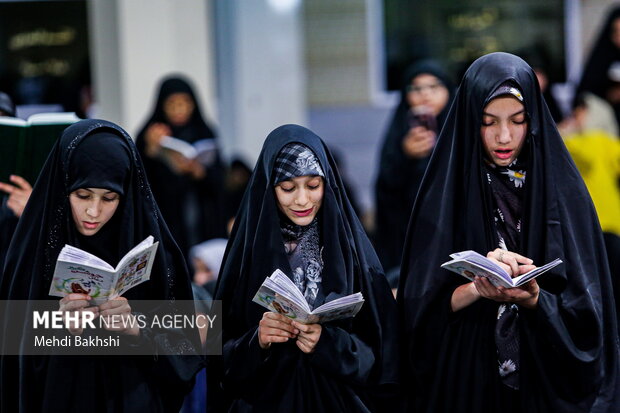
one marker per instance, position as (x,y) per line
(70,277)
(135,270)
(522,279)
(469,270)
(278,303)
(144,244)
(78,256)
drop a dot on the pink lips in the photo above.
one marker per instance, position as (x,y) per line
(503,155)
(90,225)
(303,213)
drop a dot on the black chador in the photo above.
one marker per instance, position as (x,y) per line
(95,154)
(355,362)
(567,354)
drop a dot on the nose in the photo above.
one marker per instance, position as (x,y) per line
(94,208)
(504,136)
(302,197)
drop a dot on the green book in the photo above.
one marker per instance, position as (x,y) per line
(26,144)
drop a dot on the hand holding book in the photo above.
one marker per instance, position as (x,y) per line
(470,264)
(279,294)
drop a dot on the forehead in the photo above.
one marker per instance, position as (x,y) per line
(503,105)
(302,179)
(424,78)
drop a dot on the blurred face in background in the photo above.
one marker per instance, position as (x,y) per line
(428,91)
(178,108)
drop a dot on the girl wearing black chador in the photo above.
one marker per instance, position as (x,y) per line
(189,192)
(295,216)
(500,182)
(93,194)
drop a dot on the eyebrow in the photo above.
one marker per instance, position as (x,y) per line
(496,116)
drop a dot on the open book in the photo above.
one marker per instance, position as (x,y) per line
(26,144)
(78,271)
(280,295)
(470,263)
(203,150)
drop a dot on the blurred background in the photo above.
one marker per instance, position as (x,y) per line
(333,66)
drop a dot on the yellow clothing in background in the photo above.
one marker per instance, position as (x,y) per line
(597,156)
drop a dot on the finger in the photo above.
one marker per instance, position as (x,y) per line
(8,188)
(274,325)
(76,296)
(520,258)
(526,268)
(114,302)
(304,347)
(277,316)
(303,328)
(512,263)
(20,182)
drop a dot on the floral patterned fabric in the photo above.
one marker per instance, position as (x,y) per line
(507,184)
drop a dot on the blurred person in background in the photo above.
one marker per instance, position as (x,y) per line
(407,146)
(597,156)
(189,193)
(206,259)
(18,192)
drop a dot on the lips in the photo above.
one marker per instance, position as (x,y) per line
(503,153)
(90,225)
(303,213)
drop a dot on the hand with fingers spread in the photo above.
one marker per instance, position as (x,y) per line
(275,328)
(19,193)
(77,303)
(308,337)
(118,316)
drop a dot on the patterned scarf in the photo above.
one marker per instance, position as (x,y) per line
(301,243)
(507,184)
(295,160)
(302,246)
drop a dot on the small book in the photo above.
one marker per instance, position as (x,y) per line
(26,144)
(203,150)
(470,264)
(78,271)
(280,295)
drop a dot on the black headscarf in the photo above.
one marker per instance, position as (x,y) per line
(354,357)
(595,77)
(195,128)
(569,353)
(93,153)
(399,176)
(180,196)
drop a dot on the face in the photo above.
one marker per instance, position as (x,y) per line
(178,108)
(427,91)
(92,208)
(202,272)
(300,198)
(503,130)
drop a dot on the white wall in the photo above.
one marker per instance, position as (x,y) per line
(135,43)
(261,79)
